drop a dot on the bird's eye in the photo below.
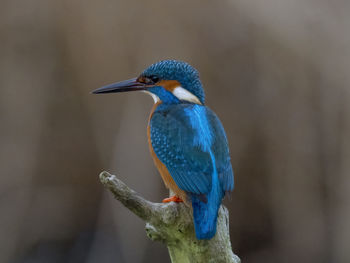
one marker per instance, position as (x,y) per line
(149,80)
(154,78)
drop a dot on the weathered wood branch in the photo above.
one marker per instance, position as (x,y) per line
(171,223)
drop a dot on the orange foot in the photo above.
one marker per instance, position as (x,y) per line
(172,199)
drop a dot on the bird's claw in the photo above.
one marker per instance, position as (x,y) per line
(172,199)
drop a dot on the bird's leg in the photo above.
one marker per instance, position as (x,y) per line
(173,198)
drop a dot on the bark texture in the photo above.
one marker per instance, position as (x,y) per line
(172,224)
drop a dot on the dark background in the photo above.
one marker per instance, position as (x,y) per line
(275,71)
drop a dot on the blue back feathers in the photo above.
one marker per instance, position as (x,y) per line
(190,140)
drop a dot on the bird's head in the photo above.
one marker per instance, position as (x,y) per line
(169,81)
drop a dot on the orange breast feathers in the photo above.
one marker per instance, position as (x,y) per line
(168,180)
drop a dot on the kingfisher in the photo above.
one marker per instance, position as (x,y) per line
(186,139)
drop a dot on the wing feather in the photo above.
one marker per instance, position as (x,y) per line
(183,137)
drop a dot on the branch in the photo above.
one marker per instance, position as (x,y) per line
(144,209)
(172,224)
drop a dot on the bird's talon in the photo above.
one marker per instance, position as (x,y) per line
(172,199)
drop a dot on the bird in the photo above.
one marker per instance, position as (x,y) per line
(186,139)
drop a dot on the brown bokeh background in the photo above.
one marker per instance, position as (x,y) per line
(276,72)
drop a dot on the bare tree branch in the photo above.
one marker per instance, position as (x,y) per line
(172,224)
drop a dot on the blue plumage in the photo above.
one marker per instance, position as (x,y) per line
(187,140)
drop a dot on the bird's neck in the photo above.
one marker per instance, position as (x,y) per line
(164,96)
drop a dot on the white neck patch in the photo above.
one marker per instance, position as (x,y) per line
(154,97)
(183,94)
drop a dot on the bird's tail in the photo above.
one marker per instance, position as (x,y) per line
(205,212)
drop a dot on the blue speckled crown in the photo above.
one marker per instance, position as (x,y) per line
(180,71)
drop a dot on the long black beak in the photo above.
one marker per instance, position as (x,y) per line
(122,86)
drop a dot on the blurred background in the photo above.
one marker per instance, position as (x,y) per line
(276,73)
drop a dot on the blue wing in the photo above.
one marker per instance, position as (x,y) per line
(190,140)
